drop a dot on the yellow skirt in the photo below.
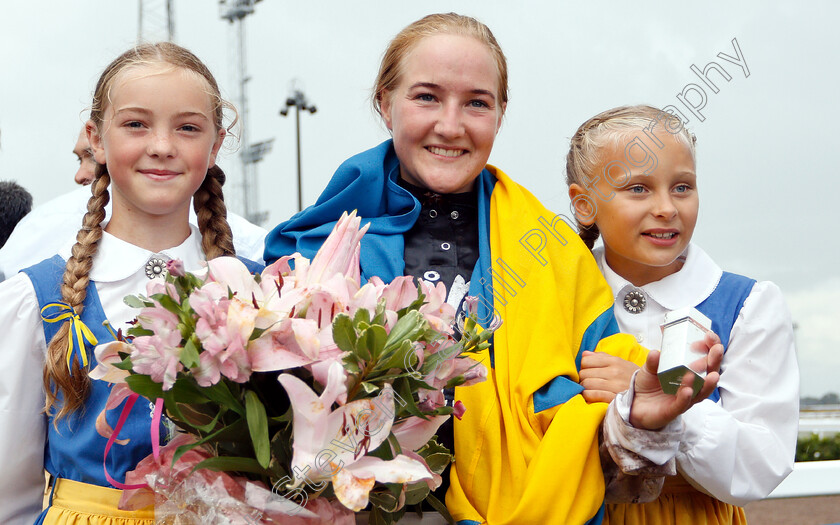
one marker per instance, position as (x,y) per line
(679,504)
(76,503)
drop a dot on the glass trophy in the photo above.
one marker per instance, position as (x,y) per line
(683,350)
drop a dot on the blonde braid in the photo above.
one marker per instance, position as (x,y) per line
(58,381)
(210,209)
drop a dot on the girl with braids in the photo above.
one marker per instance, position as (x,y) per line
(632,180)
(526,448)
(155,129)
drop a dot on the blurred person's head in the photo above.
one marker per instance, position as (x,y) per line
(87,165)
(15,202)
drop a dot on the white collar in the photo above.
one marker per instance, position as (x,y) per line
(689,286)
(117,259)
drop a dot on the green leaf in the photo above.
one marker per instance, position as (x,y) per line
(220,393)
(186,390)
(402,387)
(168,303)
(125,364)
(222,434)
(189,354)
(440,507)
(387,501)
(434,360)
(231,464)
(362,316)
(403,358)
(369,388)
(416,304)
(138,331)
(416,492)
(378,517)
(379,312)
(373,339)
(135,301)
(351,364)
(256,333)
(436,456)
(258,427)
(195,413)
(145,386)
(409,326)
(344,334)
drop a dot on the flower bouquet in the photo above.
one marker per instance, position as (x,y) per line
(297,395)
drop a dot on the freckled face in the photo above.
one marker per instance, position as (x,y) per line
(648,222)
(158,139)
(445,112)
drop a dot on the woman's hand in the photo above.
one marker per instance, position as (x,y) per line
(652,408)
(603,376)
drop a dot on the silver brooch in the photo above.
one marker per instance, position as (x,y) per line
(155,268)
(635,302)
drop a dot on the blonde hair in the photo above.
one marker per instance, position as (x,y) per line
(390,70)
(611,129)
(209,204)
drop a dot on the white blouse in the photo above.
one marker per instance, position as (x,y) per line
(46,230)
(740,449)
(118,270)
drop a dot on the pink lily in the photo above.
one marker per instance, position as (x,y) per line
(331,444)
(338,253)
(107,356)
(414,432)
(119,393)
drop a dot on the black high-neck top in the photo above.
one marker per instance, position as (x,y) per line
(442,246)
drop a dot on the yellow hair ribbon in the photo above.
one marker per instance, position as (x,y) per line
(77,327)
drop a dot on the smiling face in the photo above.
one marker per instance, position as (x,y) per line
(158,139)
(445,112)
(649,221)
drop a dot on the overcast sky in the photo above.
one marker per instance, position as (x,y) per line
(765,168)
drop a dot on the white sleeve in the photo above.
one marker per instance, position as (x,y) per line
(740,449)
(44,231)
(248,238)
(22,424)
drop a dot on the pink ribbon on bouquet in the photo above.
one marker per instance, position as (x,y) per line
(154,433)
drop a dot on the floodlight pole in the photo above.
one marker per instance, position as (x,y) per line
(298,100)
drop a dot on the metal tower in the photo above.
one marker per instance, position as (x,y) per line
(155,21)
(235,11)
(297,99)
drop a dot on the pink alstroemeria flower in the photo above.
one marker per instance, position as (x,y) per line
(158,319)
(156,286)
(473,372)
(331,444)
(158,357)
(400,292)
(437,311)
